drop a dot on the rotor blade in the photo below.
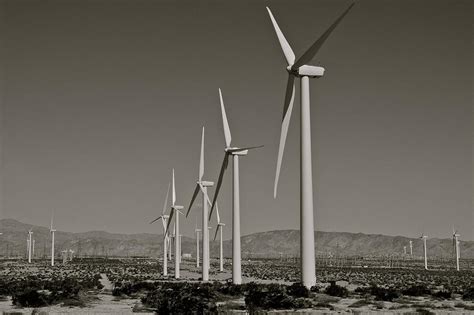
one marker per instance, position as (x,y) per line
(196,191)
(246,148)
(217,215)
(169,220)
(173,191)
(219,182)
(227,135)
(217,230)
(201,160)
(165,206)
(163,221)
(309,54)
(285,46)
(156,219)
(288,108)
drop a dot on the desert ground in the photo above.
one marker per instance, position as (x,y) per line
(129,285)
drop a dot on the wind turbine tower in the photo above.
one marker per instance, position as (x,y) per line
(235,152)
(299,69)
(424,237)
(202,185)
(456,242)
(164,219)
(30,244)
(52,231)
(411,248)
(220,227)
(175,211)
(197,231)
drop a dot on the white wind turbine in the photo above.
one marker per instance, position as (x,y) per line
(424,237)
(201,185)
(164,219)
(456,236)
(220,227)
(299,69)
(235,152)
(175,211)
(30,244)
(52,230)
(411,248)
(197,231)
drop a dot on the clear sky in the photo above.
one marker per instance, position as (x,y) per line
(101,99)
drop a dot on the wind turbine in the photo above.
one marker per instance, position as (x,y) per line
(411,248)
(299,69)
(456,236)
(201,185)
(235,152)
(177,209)
(424,237)
(52,230)
(164,218)
(197,231)
(30,244)
(220,227)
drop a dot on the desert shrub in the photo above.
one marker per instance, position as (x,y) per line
(416,290)
(315,289)
(270,296)
(468,294)
(442,294)
(336,290)
(182,298)
(384,294)
(424,311)
(30,298)
(297,290)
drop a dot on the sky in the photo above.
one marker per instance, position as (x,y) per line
(101,99)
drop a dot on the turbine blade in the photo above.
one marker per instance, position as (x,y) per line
(217,230)
(156,219)
(163,221)
(219,182)
(218,216)
(227,135)
(196,191)
(287,109)
(173,191)
(201,160)
(169,221)
(309,54)
(285,46)
(165,206)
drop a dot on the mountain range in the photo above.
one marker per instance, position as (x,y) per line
(263,244)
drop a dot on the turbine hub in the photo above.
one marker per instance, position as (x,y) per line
(206,183)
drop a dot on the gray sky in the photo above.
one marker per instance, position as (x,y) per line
(103,98)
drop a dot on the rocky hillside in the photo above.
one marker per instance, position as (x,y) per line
(264,244)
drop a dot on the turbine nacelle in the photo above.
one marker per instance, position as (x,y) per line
(236,151)
(306,71)
(178,208)
(205,183)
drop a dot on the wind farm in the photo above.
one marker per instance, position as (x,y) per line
(134,120)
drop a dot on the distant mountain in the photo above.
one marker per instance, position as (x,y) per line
(263,244)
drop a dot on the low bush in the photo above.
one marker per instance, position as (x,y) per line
(336,290)
(468,294)
(297,290)
(444,295)
(417,290)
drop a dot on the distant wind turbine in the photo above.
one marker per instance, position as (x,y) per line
(197,231)
(411,248)
(52,230)
(424,237)
(164,218)
(299,69)
(220,227)
(456,236)
(175,211)
(30,244)
(201,185)
(235,152)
